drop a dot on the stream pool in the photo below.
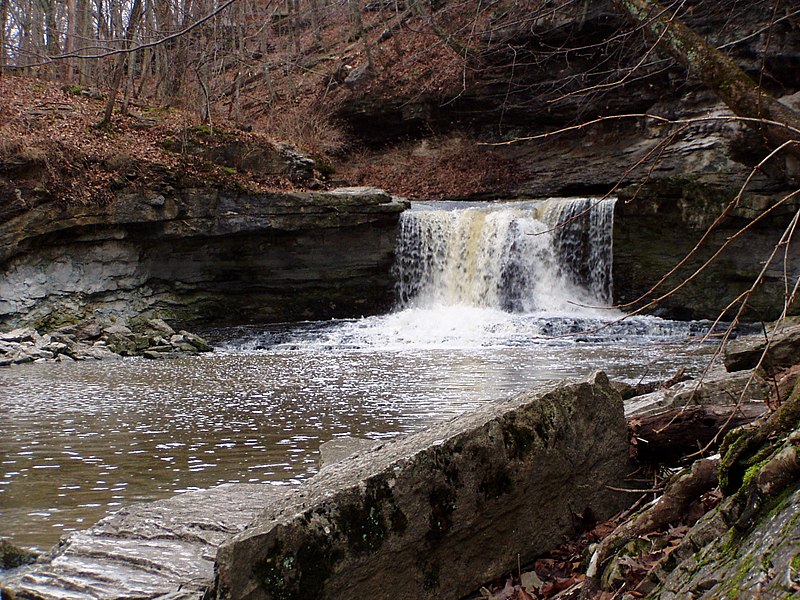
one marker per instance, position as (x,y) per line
(493,298)
(82,439)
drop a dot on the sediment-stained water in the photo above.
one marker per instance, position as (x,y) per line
(82,439)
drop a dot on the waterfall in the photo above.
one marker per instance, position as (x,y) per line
(527,257)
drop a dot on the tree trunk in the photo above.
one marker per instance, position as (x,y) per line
(119,67)
(51,32)
(85,33)
(70,39)
(358,29)
(316,21)
(3,19)
(732,85)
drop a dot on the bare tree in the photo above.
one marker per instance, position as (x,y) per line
(119,67)
(3,36)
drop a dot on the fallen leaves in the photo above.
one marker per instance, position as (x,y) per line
(509,592)
(561,573)
(52,148)
(436,168)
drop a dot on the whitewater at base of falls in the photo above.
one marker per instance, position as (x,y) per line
(460,327)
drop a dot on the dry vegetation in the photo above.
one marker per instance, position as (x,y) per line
(283,71)
(279,71)
(440,167)
(52,146)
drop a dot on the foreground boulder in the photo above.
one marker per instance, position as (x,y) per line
(747,546)
(436,514)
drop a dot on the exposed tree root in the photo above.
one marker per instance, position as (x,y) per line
(744,448)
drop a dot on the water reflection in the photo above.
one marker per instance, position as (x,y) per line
(82,439)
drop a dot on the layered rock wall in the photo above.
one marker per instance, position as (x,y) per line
(720,248)
(200,256)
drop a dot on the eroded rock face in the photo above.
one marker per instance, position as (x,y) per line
(436,514)
(162,549)
(658,226)
(200,255)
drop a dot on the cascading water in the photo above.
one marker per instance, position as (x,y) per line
(493,299)
(551,256)
(492,275)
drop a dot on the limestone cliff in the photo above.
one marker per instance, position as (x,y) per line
(577,64)
(203,255)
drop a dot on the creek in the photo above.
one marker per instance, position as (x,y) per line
(492,299)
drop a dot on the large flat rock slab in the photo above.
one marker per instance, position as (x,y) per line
(162,549)
(716,388)
(438,513)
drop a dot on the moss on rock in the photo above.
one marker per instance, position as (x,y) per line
(12,556)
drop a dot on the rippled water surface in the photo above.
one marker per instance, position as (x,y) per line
(495,298)
(81,439)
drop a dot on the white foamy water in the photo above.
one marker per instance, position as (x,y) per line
(546,257)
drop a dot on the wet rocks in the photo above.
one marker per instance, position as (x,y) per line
(437,513)
(779,348)
(98,340)
(162,549)
(25,345)
(12,556)
(716,388)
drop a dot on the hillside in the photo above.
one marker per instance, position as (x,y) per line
(407,96)
(53,149)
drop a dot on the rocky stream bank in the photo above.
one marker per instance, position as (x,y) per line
(199,256)
(97,340)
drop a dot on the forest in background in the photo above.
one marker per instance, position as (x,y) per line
(289,68)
